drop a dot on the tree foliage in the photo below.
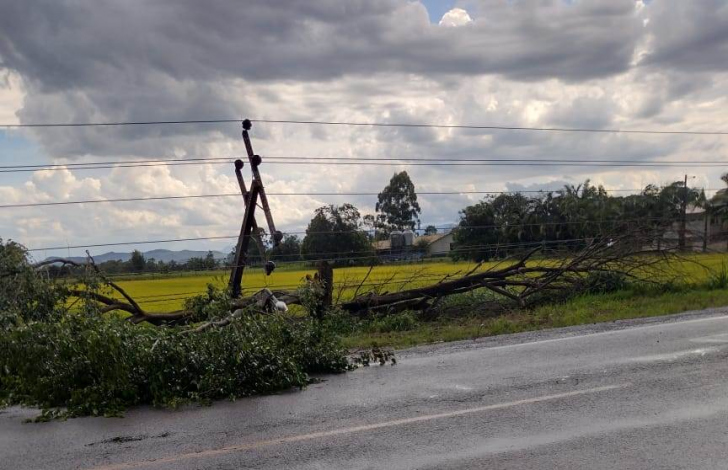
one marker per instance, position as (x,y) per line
(335,232)
(24,295)
(397,207)
(503,224)
(138,262)
(65,355)
(289,249)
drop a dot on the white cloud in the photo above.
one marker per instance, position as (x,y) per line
(455,17)
(11,96)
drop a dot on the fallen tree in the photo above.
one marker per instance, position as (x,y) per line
(76,347)
(519,281)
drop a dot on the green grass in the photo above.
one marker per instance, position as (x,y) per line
(166,292)
(579,311)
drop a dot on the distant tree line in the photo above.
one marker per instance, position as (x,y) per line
(496,226)
(138,263)
(503,224)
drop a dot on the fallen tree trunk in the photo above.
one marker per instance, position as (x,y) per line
(518,282)
(178,317)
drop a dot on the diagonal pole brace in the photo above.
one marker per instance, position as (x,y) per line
(244,191)
(241,249)
(255,161)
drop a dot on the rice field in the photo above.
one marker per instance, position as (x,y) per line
(167,292)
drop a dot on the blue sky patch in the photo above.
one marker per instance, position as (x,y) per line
(437,8)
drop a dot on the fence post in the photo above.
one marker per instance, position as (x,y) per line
(326,278)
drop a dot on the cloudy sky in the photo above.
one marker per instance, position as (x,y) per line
(626,64)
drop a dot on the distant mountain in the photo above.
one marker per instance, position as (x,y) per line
(159,255)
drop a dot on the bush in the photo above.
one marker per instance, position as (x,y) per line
(88,365)
(72,361)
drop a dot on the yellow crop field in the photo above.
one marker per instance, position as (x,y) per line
(164,293)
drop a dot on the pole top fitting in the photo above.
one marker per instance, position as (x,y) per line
(239,164)
(247,125)
(255,160)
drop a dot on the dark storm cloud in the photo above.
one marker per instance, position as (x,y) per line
(689,36)
(187,59)
(64,45)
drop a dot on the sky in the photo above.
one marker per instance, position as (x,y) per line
(536,63)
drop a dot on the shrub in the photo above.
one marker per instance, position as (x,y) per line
(90,365)
(72,360)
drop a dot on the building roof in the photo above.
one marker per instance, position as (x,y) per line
(692,209)
(382,245)
(430,239)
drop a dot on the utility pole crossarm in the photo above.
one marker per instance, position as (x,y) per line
(255,161)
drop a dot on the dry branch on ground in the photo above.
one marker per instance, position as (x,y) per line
(519,282)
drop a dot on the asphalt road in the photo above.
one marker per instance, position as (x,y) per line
(638,394)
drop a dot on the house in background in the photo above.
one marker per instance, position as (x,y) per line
(701,231)
(438,244)
(398,247)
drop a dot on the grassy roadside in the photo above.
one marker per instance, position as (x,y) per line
(579,311)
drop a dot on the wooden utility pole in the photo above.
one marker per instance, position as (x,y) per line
(249,228)
(706,228)
(684,218)
(241,249)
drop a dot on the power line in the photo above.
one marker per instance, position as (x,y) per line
(226,237)
(482,163)
(185,296)
(496,246)
(146,242)
(119,123)
(110,164)
(397,162)
(367,124)
(297,194)
(335,160)
(396,280)
(102,167)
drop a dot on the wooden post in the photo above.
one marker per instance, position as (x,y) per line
(326,279)
(684,216)
(241,249)
(256,160)
(706,230)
